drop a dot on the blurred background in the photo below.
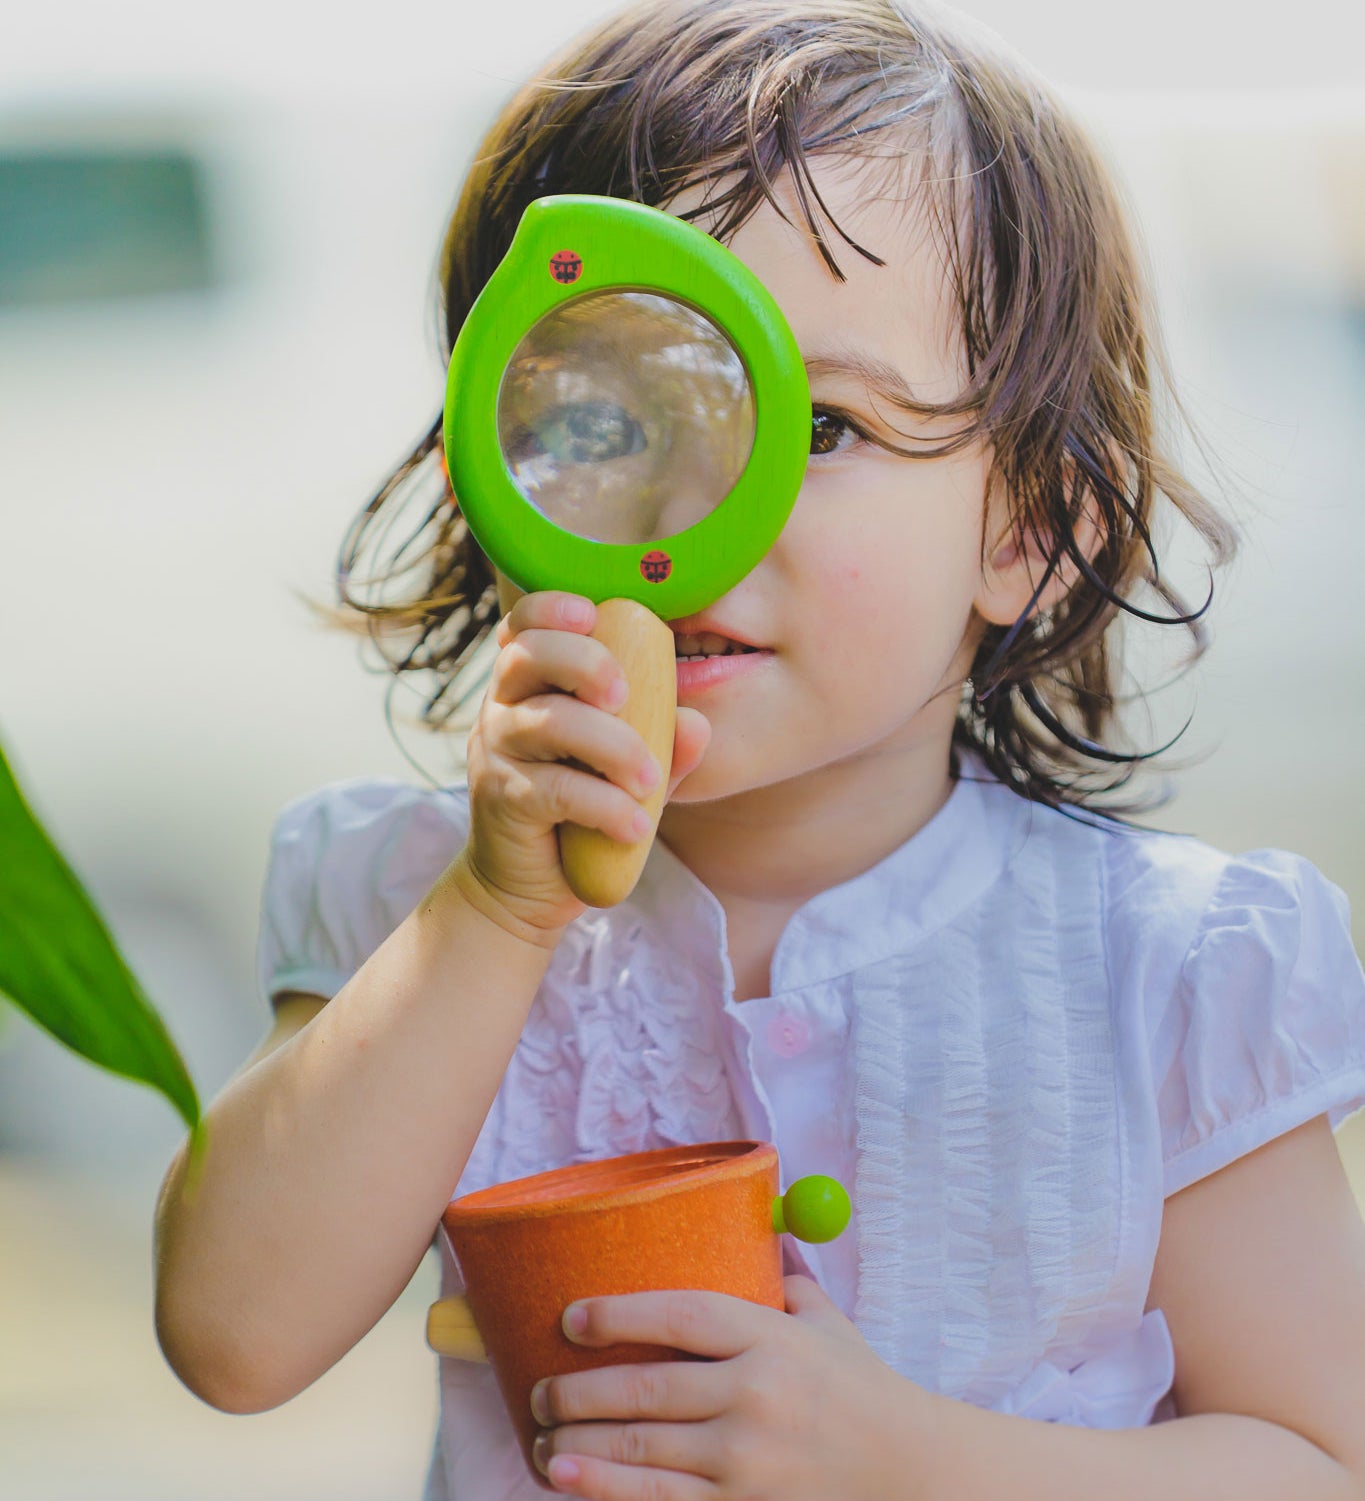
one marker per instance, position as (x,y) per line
(217,241)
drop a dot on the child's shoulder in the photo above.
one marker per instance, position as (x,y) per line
(349,808)
(367,834)
(1155,887)
(348,861)
(1240,972)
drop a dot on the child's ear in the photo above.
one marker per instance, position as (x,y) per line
(1015,558)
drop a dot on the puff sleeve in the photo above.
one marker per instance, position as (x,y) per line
(1265,1026)
(347,864)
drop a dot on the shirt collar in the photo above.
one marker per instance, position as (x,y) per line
(888,908)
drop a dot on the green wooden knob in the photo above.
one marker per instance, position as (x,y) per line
(813,1209)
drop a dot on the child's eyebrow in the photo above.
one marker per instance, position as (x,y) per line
(879,377)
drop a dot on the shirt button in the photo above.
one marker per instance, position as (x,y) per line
(788,1036)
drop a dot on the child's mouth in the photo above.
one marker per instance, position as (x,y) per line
(707,645)
(706,662)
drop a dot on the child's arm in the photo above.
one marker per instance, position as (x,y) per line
(332,1155)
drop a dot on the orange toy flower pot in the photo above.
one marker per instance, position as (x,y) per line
(683,1217)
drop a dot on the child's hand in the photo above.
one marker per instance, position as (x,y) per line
(791,1406)
(553,702)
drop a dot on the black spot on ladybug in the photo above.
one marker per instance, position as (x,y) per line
(566,266)
(656,566)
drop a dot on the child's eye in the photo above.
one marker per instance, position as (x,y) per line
(579,432)
(831,431)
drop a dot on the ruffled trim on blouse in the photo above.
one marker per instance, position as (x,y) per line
(1121,1387)
(622,1052)
(993,1178)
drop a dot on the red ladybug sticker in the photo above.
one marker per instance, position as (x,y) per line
(656,566)
(566,266)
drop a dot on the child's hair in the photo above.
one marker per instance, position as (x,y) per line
(1062,362)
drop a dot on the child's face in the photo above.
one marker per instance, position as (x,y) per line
(872,598)
(871,601)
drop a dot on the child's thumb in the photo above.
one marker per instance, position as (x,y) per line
(691,736)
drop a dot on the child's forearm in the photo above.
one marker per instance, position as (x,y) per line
(330,1161)
(988,1456)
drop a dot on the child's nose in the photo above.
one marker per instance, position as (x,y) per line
(701,476)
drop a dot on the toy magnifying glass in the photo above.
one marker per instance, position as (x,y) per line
(627,417)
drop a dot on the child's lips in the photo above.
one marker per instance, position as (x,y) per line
(696,674)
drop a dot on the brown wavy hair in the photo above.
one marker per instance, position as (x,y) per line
(1063,365)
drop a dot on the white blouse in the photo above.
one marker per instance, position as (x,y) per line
(1010,1039)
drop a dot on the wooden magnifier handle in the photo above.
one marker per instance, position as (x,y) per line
(600,870)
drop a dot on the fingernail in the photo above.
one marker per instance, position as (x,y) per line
(563,1470)
(617,693)
(540,1402)
(575,1319)
(575,612)
(540,1453)
(649,775)
(641,824)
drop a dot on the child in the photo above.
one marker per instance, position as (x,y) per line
(1078,1077)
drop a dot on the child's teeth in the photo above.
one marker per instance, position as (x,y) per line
(707,645)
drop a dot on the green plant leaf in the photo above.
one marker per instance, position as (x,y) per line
(60,966)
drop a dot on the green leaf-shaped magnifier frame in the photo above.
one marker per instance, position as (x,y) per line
(600,400)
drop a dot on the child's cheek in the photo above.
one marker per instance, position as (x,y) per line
(839,574)
(844,595)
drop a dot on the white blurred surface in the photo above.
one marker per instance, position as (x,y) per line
(175,472)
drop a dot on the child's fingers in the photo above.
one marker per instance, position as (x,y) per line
(557,793)
(674,1451)
(715,1325)
(603,1480)
(548,609)
(810,1303)
(539,659)
(675,1391)
(557,727)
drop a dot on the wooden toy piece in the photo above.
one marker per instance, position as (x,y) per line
(451,1330)
(702,1217)
(813,1209)
(600,870)
(681,1217)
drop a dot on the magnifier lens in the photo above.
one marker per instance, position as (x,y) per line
(625,417)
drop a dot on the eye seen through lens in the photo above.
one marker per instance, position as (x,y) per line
(579,432)
(625,417)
